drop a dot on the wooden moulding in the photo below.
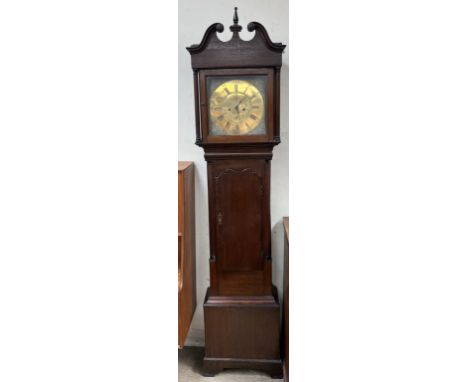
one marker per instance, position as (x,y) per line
(260,51)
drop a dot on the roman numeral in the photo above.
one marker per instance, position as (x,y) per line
(254,117)
(227,90)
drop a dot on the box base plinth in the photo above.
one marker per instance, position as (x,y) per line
(242,333)
(213,366)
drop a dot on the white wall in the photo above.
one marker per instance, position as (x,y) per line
(194,18)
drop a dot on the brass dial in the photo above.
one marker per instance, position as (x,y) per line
(236,107)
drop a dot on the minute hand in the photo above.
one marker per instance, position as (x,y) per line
(238,103)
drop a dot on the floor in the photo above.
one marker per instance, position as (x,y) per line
(190,364)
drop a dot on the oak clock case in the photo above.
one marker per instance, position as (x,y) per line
(237,88)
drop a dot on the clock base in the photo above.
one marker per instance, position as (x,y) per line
(213,366)
(242,332)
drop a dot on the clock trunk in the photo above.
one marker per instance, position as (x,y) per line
(239,214)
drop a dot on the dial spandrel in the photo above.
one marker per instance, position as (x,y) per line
(237,106)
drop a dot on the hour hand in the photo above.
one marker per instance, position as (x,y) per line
(238,103)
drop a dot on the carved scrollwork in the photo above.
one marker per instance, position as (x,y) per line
(210,36)
(257,27)
(212,30)
(242,172)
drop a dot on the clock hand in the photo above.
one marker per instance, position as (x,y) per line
(243,98)
(238,103)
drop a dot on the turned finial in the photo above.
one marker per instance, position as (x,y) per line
(236,17)
(235,27)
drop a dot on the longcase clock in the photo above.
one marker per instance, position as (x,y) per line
(237,98)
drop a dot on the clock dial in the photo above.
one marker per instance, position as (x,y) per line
(236,107)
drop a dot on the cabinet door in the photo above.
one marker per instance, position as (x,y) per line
(240,220)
